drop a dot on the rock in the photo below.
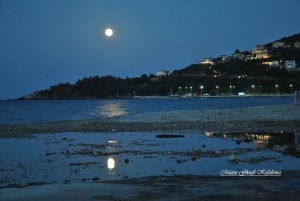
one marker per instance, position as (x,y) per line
(179,161)
(96,179)
(232,157)
(194,158)
(279,148)
(278,161)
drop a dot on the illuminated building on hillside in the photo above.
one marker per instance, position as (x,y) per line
(260,52)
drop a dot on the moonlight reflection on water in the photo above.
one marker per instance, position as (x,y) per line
(112,109)
(110,163)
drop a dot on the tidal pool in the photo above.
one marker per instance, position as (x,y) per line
(91,157)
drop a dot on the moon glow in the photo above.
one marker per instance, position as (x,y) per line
(109,32)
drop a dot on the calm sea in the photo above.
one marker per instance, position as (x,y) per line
(15,112)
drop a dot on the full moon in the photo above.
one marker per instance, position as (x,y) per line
(109,32)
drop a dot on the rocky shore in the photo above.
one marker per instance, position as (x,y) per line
(273,118)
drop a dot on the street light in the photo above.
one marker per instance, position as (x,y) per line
(217,88)
(191,90)
(201,88)
(253,87)
(230,87)
(291,86)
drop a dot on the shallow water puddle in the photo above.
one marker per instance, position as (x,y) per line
(89,157)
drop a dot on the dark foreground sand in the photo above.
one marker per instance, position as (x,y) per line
(286,187)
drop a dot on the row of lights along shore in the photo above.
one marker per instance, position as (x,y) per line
(232,87)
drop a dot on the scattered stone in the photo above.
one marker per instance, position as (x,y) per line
(194,158)
(66,181)
(179,161)
(84,163)
(279,148)
(35,183)
(50,153)
(232,157)
(169,136)
(96,179)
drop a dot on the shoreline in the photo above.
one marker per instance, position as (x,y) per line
(163,97)
(179,187)
(256,119)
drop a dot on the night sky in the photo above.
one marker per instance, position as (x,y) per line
(46,42)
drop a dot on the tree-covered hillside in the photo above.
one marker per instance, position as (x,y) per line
(253,76)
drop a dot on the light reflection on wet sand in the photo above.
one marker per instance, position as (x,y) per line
(83,157)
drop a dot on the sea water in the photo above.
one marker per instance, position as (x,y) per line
(31,111)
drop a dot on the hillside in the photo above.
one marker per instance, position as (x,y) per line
(229,75)
(291,39)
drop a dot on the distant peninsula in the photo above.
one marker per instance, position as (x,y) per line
(272,68)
